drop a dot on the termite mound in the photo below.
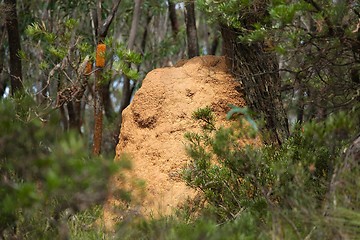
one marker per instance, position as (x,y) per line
(153,129)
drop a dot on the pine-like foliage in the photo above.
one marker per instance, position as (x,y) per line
(285,190)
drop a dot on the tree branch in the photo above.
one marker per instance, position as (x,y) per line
(103,28)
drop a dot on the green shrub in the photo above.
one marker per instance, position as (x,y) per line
(46,175)
(285,189)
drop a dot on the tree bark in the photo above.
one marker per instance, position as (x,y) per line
(257,71)
(106,99)
(191,32)
(102,30)
(64,118)
(12,26)
(128,89)
(3,82)
(126,93)
(98,113)
(134,24)
(173,18)
(74,106)
(300,104)
(145,35)
(72,115)
(214,45)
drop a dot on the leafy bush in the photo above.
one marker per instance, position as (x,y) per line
(172,228)
(285,189)
(46,175)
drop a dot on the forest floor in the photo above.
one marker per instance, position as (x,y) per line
(153,129)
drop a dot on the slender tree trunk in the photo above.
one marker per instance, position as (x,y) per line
(129,87)
(300,104)
(191,32)
(98,113)
(43,96)
(145,35)
(126,94)
(74,107)
(14,47)
(102,28)
(173,18)
(72,115)
(134,24)
(106,99)
(3,82)
(64,118)
(257,71)
(214,45)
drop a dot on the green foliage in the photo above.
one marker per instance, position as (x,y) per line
(85,225)
(173,228)
(314,42)
(302,190)
(124,59)
(207,116)
(257,35)
(284,13)
(168,46)
(245,112)
(46,174)
(226,12)
(57,47)
(290,183)
(71,23)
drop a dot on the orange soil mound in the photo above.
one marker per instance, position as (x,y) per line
(154,124)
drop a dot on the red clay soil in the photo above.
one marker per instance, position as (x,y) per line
(153,128)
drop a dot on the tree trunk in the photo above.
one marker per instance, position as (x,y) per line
(101,28)
(214,45)
(74,107)
(134,24)
(127,90)
(72,115)
(257,71)
(145,35)
(106,99)
(3,82)
(300,104)
(64,118)
(14,47)
(191,32)
(173,18)
(98,113)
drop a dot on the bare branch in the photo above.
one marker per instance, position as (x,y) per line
(94,24)
(103,28)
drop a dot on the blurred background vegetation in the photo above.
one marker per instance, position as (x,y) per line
(298,62)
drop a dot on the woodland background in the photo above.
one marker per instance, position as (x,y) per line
(62,97)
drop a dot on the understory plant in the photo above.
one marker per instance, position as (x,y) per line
(287,191)
(47,175)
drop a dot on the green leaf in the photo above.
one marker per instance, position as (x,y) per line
(235,110)
(244,111)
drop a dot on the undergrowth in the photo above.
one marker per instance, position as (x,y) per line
(305,189)
(264,192)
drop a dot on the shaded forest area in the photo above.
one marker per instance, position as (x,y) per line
(69,68)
